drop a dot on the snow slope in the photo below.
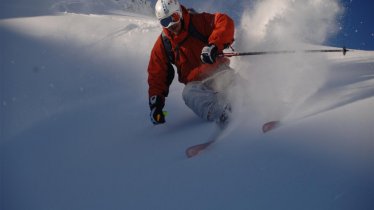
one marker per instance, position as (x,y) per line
(75,132)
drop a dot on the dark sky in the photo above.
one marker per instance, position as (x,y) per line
(357,25)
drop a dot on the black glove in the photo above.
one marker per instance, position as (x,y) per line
(209,54)
(156,103)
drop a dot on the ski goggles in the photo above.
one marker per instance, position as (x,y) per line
(171,20)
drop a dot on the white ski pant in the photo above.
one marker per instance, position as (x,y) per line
(208,98)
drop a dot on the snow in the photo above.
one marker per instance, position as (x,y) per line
(76,134)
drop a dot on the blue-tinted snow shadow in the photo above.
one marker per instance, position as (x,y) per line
(66,111)
(42,77)
(78,155)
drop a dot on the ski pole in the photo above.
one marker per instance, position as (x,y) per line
(231,54)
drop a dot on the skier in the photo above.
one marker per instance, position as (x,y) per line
(192,42)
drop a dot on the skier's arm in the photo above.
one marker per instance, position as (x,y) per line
(223,31)
(221,35)
(160,75)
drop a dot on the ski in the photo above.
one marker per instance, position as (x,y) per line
(196,149)
(269,126)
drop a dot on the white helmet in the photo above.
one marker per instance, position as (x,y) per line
(165,8)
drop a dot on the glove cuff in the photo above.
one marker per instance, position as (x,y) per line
(156,101)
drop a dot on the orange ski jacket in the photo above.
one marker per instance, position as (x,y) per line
(218,27)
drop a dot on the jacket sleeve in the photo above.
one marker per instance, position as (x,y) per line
(223,31)
(160,71)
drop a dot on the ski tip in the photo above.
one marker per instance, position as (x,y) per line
(270,126)
(192,153)
(196,149)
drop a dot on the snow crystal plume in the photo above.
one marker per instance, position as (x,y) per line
(281,22)
(279,82)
